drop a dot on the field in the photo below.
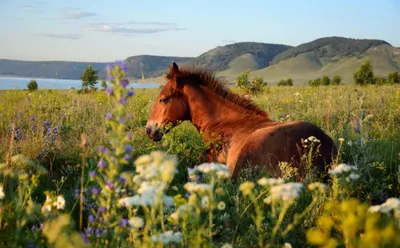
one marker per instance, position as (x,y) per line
(57,148)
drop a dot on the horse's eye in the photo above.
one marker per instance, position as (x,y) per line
(164,100)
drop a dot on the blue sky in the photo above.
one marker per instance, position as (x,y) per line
(89,30)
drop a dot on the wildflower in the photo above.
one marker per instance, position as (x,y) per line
(221,205)
(95,191)
(91,218)
(121,120)
(89,231)
(122,64)
(205,202)
(98,231)
(108,116)
(47,204)
(127,157)
(1,192)
(129,136)
(386,207)
(312,139)
(342,168)
(197,188)
(124,83)
(246,187)
(60,203)
(109,91)
(167,237)
(85,238)
(341,140)
(109,77)
(287,245)
(102,164)
(123,222)
(168,201)
(122,101)
(226,245)
(92,174)
(317,186)
(128,148)
(270,181)
(353,176)
(130,93)
(287,192)
(136,222)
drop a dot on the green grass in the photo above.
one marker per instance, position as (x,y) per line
(374,149)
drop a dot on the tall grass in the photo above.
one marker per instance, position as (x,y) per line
(119,192)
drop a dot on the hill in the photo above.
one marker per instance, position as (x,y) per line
(331,56)
(273,62)
(239,56)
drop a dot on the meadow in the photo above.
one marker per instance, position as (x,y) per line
(79,171)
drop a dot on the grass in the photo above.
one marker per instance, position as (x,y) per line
(49,127)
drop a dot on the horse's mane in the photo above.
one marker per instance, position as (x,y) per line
(207,78)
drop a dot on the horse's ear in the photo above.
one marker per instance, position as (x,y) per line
(173,68)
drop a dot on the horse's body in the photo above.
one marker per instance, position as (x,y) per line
(244,133)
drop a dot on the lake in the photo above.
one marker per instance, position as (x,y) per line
(10,83)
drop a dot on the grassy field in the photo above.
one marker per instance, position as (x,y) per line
(364,121)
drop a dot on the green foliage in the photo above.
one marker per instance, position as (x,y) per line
(89,78)
(103,84)
(393,78)
(315,82)
(336,80)
(380,80)
(364,75)
(285,82)
(32,85)
(255,87)
(325,80)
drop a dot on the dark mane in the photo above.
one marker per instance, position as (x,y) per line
(206,78)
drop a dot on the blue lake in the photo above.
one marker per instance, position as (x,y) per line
(10,83)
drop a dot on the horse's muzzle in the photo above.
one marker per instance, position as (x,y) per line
(154,133)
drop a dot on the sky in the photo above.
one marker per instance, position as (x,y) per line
(105,31)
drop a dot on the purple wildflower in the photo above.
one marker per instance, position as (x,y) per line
(95,191)
(122,64)
(101,210)
(128,148)
(198,179)
(91,218)
(124,83)
(123,223)
(89,231)
(122,101)
(109,77)
(130,93)
(33,228)
(76,192)
(127,157)
(102,149)
(102,164)
(98,231)
(121,120)
(110,185)
(108,116)
(92,174)
(108,68)
(109,91)
(122,179)
(129,136)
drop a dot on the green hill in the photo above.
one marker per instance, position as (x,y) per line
(239,56)
(273,62)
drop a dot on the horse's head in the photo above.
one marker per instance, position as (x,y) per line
(169,108)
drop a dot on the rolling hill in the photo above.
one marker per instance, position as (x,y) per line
(273,62)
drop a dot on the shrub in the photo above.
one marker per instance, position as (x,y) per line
(32,85)
(315,82)
(287,82)
(255,87)
(393,78)
(364,75)
(89,78)
(336,80)
(325,80)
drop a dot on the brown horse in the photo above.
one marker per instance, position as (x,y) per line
(244,131)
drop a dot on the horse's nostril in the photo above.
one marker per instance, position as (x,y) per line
(148,130)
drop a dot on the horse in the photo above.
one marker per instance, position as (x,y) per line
(245,133)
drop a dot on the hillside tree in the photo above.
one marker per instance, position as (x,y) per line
(325,80)
(336,80)
(393,78)
(364,75)
(32,85)
(89,78)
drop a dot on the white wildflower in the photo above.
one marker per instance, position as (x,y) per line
(168,201)
(312,139)
(287,245)
(386,207)
(1,192)
(129,201)
(339,169)
(341,140)
(270,181)
(221,205)
(205,202)
(226,245)
(353,176)
(167,237)
(197,188)
(60,203)
(136,222)
(287,192)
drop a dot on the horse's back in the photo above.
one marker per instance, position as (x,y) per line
(281,142)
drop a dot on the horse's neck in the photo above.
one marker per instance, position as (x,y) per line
(214,114)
